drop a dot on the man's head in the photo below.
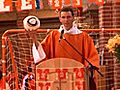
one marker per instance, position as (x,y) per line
(67,9)
(66,17)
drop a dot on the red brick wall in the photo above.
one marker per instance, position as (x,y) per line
(109,17)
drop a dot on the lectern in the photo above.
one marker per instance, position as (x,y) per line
(61,74)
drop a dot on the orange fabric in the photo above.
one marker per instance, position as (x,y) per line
(57,4)
(67,2)
(8,3)
(82,42)
(77,3)
(92,0)
(18,4)
(117,1)
(4,6)
(1,84)
(100,2)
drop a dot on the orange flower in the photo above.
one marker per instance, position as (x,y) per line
(112,42)
(114,46)
(118,40)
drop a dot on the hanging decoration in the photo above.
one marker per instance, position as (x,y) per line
(25,4)
(99,2)
(67,2)
(38,4)
(117,1)
(6,6)
(50,2)
(77,3)
(92,0)
(41,4)
(57,4)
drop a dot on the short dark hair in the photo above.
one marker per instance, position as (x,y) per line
(67,9)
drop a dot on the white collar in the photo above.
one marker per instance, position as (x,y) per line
(73,30)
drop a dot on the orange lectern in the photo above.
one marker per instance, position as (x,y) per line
(61,74)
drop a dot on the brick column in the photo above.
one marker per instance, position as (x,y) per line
(116,15)
(105,15)
(105,21)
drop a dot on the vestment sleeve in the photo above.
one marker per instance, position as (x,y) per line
(90,52)
(38,54)
(91,55)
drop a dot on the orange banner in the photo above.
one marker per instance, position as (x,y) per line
(117,1)
(41,4)
(67,2)
(57,4)
(6,6)
(77,3)
(100,2)
(92,0)
(25,4)
(50,2)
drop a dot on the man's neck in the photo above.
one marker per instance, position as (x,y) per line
(68,28)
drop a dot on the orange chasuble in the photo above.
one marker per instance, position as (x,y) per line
(82,42)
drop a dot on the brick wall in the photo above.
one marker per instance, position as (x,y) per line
(116,15)
(109,17)
(106,15)
(107,61)
(90,15)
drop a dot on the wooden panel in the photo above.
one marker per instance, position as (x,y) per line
(62,84)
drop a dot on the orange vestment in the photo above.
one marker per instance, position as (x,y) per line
(82,42)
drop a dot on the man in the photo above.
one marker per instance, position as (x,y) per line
(50,47)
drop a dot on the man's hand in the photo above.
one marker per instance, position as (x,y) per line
(32,34)
(91,70)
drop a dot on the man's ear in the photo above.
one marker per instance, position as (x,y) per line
(60,19)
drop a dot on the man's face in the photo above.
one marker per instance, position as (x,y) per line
(66,19)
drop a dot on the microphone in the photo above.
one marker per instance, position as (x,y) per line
(61,36)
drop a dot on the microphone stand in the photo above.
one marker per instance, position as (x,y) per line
(92,67)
